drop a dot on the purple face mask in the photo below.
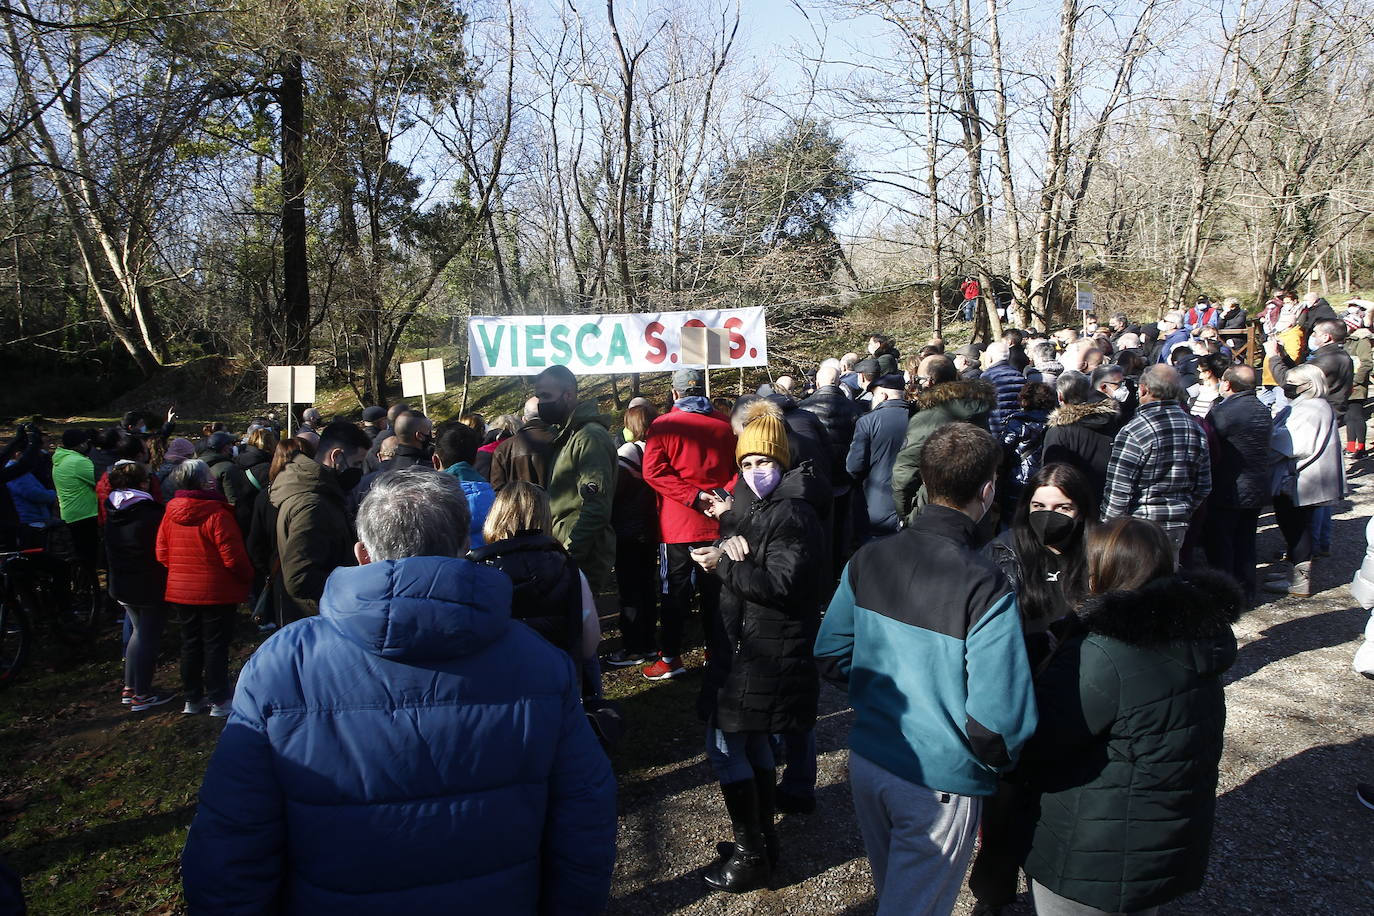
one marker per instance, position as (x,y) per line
(763,481)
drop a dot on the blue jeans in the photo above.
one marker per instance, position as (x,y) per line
(734,756)
(1321,527)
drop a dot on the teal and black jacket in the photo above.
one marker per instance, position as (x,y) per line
(926,635)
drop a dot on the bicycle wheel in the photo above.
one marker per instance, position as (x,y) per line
(76,618)
(15,637)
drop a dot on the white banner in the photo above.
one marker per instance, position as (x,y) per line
(596,344)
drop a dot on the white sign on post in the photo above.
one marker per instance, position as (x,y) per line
(422,378)
(290,385)
(1085,297)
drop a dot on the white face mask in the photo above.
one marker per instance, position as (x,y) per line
(1121,394)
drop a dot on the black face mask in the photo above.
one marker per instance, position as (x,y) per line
(349,478)
(1054,529)
(555,413)
(1290,392)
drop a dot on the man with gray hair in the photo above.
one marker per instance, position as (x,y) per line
(411,747)
(528,454)
(1160,468)
(311,420)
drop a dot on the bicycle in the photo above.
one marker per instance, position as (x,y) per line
(37,585)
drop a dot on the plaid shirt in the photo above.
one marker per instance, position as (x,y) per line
(1160,467)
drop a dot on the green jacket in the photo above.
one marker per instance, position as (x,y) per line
(581,490)
(1359,346)
(73,475)
(314,533)
(970,401)
(1125,758)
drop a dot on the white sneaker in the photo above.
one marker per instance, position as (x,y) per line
(194,709)
(220,710)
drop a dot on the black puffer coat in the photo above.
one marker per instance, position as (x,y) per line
(838,414)
(1082,435)
(548,587)
(135,576)
(1241,469)
(1125,757)
(770,611)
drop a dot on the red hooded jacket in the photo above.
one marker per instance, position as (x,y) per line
(686,453)
(200,544)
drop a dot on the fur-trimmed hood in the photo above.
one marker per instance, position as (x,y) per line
(1192,606)
(971,390)
(1069,414)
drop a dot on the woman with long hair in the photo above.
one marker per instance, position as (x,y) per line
(261,539)
(1132,712)
(1044,556)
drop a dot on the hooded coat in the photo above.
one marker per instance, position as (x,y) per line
(1081,435)
(410,750)
(770,611)
(582,491)
(200,544)
(135,576)
(314,532)
(948,402)
(256,465)
(1125,758)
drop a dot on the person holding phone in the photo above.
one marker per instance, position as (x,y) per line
(769,566)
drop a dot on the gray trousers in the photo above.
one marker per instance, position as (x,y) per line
(918,841)
(1048,903)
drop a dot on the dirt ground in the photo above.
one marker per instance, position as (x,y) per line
(1290,836)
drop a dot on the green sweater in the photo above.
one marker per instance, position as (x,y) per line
(581,491)
(73,475)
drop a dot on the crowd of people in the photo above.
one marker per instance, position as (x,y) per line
(1021,560)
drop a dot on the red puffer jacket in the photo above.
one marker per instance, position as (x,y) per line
(686,453)
(201,546)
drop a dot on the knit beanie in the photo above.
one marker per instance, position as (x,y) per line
(178,450)
(764,434)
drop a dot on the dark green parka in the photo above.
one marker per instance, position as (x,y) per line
(971,401)
(1125,758)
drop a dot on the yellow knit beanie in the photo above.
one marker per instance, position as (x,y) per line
(764,434)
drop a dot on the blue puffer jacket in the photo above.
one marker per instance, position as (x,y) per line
(1008,383)
(411,750)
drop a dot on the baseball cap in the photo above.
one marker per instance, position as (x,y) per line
(687,379)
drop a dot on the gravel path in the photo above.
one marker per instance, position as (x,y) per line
(1290,836)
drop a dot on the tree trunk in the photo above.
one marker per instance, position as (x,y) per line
(293,344)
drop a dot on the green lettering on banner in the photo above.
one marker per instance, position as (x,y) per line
(595,331)
(620,348)
(534,345)
(558,339)
(491,348)
(514,344)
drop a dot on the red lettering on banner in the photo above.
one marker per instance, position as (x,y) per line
(658,350)
(736,338)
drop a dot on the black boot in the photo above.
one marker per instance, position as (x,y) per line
(747,867)
(766,788)
(765,784)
